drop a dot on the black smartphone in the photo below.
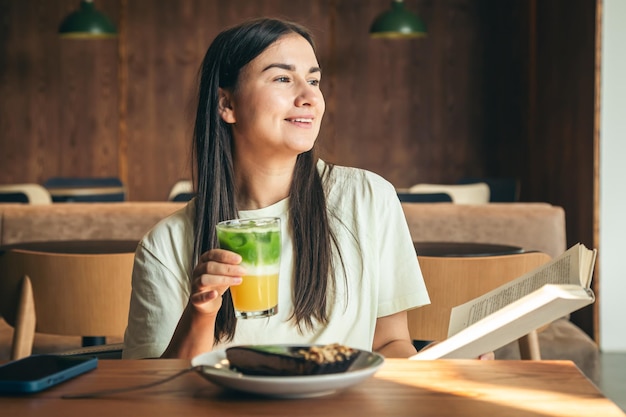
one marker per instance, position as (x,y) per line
(38,372)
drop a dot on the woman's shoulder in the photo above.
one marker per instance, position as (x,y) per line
(345,179)
(174,228)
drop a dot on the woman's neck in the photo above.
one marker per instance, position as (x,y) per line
(260,185)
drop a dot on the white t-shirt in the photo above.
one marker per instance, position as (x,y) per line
(382,273)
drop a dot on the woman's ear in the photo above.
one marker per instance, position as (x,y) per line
(224,106)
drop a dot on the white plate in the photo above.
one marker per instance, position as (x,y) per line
(217,371)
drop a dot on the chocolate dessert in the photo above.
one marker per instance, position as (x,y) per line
(290,360)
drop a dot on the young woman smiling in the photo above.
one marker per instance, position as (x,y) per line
(348,270)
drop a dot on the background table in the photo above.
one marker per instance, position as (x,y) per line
(400,388)
(457,249)
(76,246)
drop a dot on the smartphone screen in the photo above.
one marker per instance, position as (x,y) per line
(38,372)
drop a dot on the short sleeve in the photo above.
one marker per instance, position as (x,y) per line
(160,287)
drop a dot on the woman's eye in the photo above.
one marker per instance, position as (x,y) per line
(314,82)
(283,79)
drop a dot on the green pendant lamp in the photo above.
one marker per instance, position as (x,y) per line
(87,23)
(397,23)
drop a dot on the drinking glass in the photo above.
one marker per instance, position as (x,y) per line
(258,243)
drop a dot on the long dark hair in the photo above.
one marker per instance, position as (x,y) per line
(313,240)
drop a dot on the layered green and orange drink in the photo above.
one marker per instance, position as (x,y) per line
(258,243)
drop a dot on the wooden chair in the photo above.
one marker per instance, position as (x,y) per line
(63,294)
(24,193)
(424,197)
(501,189)
(454,280)
(181,191)
(477,193)
(86,190)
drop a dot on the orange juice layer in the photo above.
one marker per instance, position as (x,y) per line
(256,292)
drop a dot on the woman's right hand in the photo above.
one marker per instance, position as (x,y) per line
(216,271)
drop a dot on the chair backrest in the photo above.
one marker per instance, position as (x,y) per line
(102,190)
(64,294)
(24,193)
(181,191)
(454,280)
(501,189)
(477,193)
(424,197)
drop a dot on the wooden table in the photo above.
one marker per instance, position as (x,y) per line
(400,388)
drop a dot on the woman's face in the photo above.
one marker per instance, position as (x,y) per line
(277,107)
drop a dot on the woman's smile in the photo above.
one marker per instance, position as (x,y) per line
(302,121)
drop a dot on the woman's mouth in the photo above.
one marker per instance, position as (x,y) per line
(301,121)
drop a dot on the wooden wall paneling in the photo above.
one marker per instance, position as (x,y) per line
(122,95)
(29,74)
(596,162)
(88,101)
(59,108)
(561,169)
(418,113)
(159,38)
(417,116)
(352,91)
(461,89)
(506,91)
(563,141)
(88,107)
(370,127)
(430,83)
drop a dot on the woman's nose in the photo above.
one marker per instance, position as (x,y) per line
(309,95)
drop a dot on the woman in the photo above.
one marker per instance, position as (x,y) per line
(348,268)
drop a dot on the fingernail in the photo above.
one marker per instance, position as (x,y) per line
(236,280)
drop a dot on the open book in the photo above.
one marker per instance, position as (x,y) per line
(518,307)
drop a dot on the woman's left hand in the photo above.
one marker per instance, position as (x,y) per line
(489,356)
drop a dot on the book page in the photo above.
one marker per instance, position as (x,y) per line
(587,265)
(567,269)
(511,322)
